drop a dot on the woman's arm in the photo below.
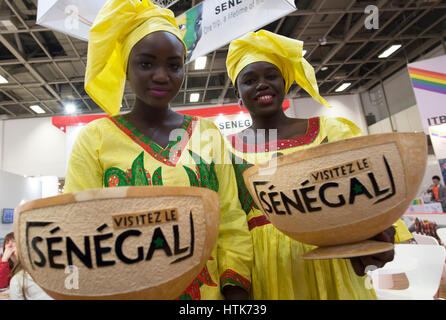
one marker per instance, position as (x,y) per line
(4,274)
(84,170)
(234,245)
(235,252)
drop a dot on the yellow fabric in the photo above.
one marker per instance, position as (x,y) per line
(285,53)
(402,233)
(102,146)
(119,25)
(279,272)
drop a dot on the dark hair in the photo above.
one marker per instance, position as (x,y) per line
(17,268)
(8,237)
(436,177)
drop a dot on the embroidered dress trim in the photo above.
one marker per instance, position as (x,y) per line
(309,137)
(168,155)
(230,277)
(257,222)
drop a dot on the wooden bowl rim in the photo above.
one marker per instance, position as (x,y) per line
(333,148)
(210,200)
(116,193)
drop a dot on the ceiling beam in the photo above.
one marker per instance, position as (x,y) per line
(372,37)
(21,86)
(44,49)
(221,97)
(397,66)
(333,25)
(310,12)
(83,60)
(352,32)
(299,30)
(6,103)
(22,59)
(209,75)
(33,72)
(375,52)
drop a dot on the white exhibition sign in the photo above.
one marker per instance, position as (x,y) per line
(233,123)
(206,27)
(72,17)
(438,138)
(214,23)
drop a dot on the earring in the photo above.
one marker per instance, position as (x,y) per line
(240,103)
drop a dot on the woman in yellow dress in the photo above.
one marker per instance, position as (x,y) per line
(262,67)
(153,145)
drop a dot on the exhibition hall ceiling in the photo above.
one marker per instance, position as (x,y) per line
(42,67)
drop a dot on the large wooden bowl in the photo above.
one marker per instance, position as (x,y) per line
(342,192)
(124,243)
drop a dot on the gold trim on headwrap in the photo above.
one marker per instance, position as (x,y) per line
(283,52)
(119,25)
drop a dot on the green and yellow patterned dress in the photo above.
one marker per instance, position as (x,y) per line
(111,152)
(279,272)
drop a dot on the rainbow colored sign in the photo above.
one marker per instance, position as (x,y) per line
(428,80)
(429,86)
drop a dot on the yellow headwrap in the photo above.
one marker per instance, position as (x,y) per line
(118,27)
(283,52)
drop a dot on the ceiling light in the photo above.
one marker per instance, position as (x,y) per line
(200,63)
(324,68)
(194,97)
(340,76)
(70,108)
(37,109)
(3,80)
(304,52)
(389,51)
(343,87)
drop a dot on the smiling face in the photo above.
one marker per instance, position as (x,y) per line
(261,87)
(155,69)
